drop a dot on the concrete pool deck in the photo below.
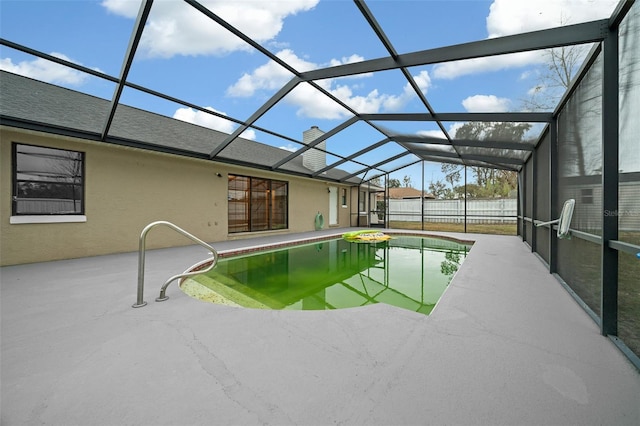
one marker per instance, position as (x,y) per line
(506,345)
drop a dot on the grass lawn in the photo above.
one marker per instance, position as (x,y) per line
(579,264)
(629,295)
(476,228)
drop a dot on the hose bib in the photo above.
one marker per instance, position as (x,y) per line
(319,221)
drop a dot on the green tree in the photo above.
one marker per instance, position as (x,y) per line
(377,181)
(437,189)
(473,191)
(560,66)
(451,173)
(490,182)
(407,181)
(497,131)
(451,264)
(394,183)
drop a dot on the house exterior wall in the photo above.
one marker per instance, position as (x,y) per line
(587,215)
(127,188)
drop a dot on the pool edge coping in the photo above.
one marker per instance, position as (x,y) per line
(306,240)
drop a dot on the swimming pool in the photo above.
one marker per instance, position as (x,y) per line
(410,272)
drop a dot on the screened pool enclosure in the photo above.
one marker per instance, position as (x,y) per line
(583,146)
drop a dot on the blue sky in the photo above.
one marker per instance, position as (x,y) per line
(191,58)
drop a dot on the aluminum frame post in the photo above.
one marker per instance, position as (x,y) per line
(553,193)
(610,125)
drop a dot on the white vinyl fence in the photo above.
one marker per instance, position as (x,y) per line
(501,210)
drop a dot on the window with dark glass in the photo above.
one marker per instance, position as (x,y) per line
(47,181)
(257,204)
(362,203)
(586,195)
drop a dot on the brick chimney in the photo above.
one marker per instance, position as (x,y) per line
(314,159)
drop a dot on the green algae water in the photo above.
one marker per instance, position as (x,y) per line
(408,272)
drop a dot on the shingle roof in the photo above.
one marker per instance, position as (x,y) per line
(403,193)
(59,110)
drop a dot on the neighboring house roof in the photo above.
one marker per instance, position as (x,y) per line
(406,193)
(33,104)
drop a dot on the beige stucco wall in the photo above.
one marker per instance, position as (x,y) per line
(127,188)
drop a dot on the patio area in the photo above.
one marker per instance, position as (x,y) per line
(505,345)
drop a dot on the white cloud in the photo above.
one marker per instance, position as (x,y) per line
(346,60)
(451,70)
(203,119)
(290,147)
(537,89)
(453,129)
(126,8)
(397,102)
(422,80)
(44,70)
(270,76)
(391,102)
(248,134)
(486,103)
(175,28)
(528,74)
(431,133)
(210,121)
(312,103)
(507,17)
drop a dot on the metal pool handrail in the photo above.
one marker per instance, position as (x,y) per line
(141,254)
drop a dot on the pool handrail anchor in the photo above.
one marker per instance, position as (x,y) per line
(564,221)
(141,257)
